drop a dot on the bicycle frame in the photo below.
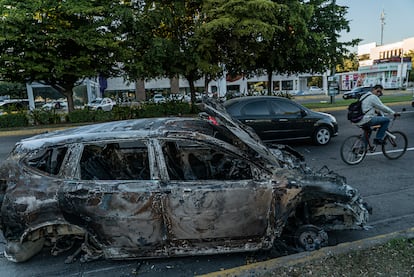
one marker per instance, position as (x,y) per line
(368,131)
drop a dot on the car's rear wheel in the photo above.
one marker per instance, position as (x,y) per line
(322,135)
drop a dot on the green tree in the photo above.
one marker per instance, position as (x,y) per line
(58,43)
(14,90)
(162,41)
(236,31)
(283,36)
(328,21)
(350,63)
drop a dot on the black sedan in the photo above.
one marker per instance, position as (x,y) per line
(356,92)
(281,119)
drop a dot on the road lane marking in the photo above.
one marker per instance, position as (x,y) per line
(398,150)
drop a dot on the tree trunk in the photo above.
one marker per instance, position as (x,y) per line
(207,80)
(269,82)
(68,93)
(71,106)
(140,90)
(191,81)
(175,85)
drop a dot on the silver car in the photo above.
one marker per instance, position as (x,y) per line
(167,187)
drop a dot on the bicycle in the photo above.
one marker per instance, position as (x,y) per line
(355,147)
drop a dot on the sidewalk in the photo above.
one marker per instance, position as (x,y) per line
(267,267)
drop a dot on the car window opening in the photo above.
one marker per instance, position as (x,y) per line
(187,161)
(48,160)
(115,162)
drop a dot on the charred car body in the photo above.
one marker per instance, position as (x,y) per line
(166,187)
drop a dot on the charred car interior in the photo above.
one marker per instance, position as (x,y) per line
(166,187)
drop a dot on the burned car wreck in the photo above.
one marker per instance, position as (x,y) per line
(166,187)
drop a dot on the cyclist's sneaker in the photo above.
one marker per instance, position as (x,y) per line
(379,141)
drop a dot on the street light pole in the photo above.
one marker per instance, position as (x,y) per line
(382,18)
(401,68)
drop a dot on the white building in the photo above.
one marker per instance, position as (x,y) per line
(385,64)
(223,86)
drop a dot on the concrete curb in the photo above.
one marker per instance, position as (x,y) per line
(268,266)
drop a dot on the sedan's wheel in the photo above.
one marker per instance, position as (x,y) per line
(322,135)
(310,237)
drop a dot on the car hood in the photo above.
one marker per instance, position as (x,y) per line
(246,134)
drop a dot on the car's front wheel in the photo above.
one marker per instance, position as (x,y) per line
(322,135)
(310,238)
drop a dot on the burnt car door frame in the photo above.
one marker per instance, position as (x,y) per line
(205,214)
(121,207)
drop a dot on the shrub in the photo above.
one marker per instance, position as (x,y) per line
(14,120)
(85,115)
(43,117)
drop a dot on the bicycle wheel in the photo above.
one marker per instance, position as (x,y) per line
(395,147)
(353,150)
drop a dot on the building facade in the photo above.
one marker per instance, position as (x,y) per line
(238,85)
(385,64)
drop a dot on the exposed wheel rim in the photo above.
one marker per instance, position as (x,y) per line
(310,238)
(323,136)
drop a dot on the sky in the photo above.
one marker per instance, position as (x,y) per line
(365,23)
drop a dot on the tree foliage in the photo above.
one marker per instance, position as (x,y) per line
(62,42)
(350,63)
(57,42)
(284,36)
(14,90)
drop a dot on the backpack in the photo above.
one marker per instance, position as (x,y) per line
(355,113)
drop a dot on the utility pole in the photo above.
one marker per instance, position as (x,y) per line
(382,19)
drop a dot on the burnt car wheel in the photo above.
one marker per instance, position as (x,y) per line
(22,251)
(322,135)
(310,237)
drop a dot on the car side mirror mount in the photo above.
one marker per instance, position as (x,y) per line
(303,113)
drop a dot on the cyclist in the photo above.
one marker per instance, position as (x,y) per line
(373,110)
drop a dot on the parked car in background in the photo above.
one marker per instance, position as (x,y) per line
(101,104)
(179,97)
(158,98)
(314,90)
(55,105)
(297,93)
(281,119)
(356,92)
(167,187)
(13,105)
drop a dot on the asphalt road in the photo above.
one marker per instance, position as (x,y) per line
(386,185)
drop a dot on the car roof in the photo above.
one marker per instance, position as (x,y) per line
(361,88)
(217,121)
(146,127)
(253,98)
